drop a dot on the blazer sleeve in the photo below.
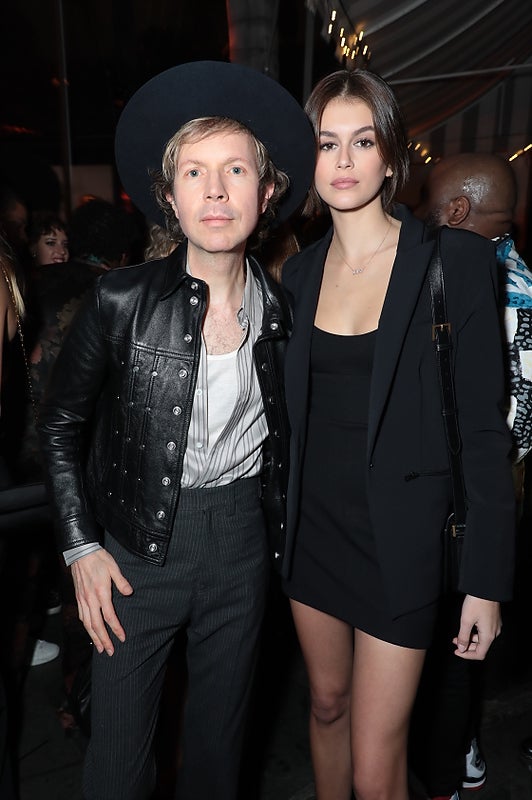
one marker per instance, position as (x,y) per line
(488,556)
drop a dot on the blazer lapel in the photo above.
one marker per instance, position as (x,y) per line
(406,282)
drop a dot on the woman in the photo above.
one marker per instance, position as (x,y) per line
(10,299)
(369,489)
(48,240)
(11,302)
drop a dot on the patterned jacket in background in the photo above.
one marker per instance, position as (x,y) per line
(517,296)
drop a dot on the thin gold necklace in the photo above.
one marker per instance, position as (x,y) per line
(360,270)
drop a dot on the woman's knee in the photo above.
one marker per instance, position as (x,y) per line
(328,706)
(373,785)
(379,778)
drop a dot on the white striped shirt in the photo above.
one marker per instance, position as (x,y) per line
(215,458)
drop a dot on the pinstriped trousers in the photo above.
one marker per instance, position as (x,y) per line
(214,583)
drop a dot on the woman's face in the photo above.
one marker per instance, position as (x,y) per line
(349,169)
(51,248)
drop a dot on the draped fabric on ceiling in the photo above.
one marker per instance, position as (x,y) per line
(413,41)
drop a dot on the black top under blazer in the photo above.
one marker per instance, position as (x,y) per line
(408,483)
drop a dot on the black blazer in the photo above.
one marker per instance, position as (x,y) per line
(408,484)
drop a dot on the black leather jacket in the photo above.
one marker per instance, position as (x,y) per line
(115,416)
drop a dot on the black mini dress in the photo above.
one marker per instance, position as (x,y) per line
(335,567)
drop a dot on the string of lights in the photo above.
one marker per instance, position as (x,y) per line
(352,48)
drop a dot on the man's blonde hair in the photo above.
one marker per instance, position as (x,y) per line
(196,130)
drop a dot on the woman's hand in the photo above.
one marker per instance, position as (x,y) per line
(480,624)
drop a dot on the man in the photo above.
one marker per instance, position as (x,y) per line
(165,393)
(478,192)
(475,191)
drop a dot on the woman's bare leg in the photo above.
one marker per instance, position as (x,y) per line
(385,680)
(327,646)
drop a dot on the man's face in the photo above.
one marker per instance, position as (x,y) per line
(216,192)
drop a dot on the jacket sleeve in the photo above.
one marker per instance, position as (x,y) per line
(64,426)
(488,556)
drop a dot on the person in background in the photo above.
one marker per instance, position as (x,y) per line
(164,428)
(160,243)
(14,221)
(475,192)
(478,192)
(11,304)
(47,239)
(101,233)
(101,236)
(369,489)
(14,392)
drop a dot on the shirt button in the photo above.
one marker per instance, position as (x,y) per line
(183,373)
(135,369)
(177,410)
(171,446)
(160,515)
(165,481)
(274,326)
(187,337)
(154,374)
(193,300)
(199,445)
(152,547)
(199,392)
(264,367)
(194,285)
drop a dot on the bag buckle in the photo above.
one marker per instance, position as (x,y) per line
(441,328)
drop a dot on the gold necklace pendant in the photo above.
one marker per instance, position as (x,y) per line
(360,270)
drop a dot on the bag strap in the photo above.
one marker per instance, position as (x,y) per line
(441,337)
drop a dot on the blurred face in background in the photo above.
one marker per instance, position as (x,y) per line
(51,248)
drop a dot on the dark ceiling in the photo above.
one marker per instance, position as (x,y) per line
(111,48)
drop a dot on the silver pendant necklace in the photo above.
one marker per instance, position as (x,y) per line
(360,270)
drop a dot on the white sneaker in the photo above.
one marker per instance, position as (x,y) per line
(43,652)
(475,772)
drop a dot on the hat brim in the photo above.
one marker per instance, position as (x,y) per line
(212,88)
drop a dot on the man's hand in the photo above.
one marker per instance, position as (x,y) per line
(480,624)
(93,576)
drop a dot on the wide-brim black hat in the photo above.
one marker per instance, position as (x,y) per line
(204,89)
